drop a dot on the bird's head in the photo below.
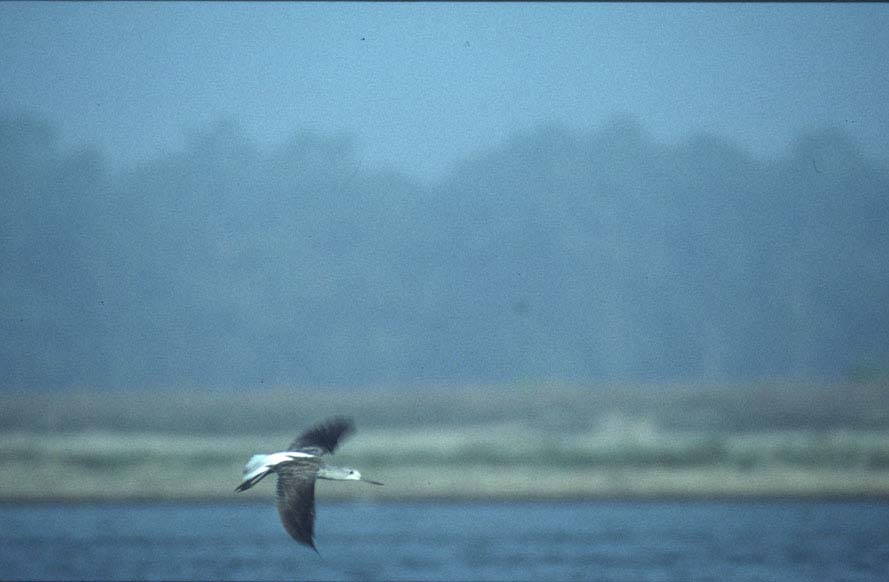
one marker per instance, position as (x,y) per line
(350,474)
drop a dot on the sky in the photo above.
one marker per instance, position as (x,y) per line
(419,87)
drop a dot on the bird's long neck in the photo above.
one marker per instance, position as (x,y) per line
(330,472)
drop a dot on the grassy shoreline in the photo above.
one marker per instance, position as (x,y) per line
(466,443)
(460,465)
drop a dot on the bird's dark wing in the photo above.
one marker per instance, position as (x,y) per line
(324,437)
(296,500)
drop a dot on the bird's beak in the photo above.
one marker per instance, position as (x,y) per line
(371,482)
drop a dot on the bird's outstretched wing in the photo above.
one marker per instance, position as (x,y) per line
(324,437)
(296,500)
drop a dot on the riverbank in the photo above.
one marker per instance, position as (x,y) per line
(542,441)
(504,462)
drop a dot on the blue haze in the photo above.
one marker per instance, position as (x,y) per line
(560,255)
(421,86)
(239,195)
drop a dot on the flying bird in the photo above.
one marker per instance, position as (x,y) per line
(298,467)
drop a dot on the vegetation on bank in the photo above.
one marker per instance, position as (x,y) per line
(467,443)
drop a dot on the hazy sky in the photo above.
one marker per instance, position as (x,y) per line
(423,85)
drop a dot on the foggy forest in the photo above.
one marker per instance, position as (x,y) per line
(596,255)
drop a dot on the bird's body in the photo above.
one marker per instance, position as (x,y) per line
(297,468)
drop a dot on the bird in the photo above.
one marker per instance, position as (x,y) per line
(297,468)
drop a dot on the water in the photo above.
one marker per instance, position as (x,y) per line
(632,541)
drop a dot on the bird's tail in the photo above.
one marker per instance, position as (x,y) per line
(255,469)
(255,462)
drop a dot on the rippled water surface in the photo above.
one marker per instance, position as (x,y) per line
(630,541)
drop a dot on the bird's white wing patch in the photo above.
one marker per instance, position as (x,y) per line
(276,459)
(260,465)
(268,461)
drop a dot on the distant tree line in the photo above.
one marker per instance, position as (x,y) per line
(600,255)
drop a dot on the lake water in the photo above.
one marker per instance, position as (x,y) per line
(632,541)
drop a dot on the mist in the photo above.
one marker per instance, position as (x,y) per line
(586,256)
